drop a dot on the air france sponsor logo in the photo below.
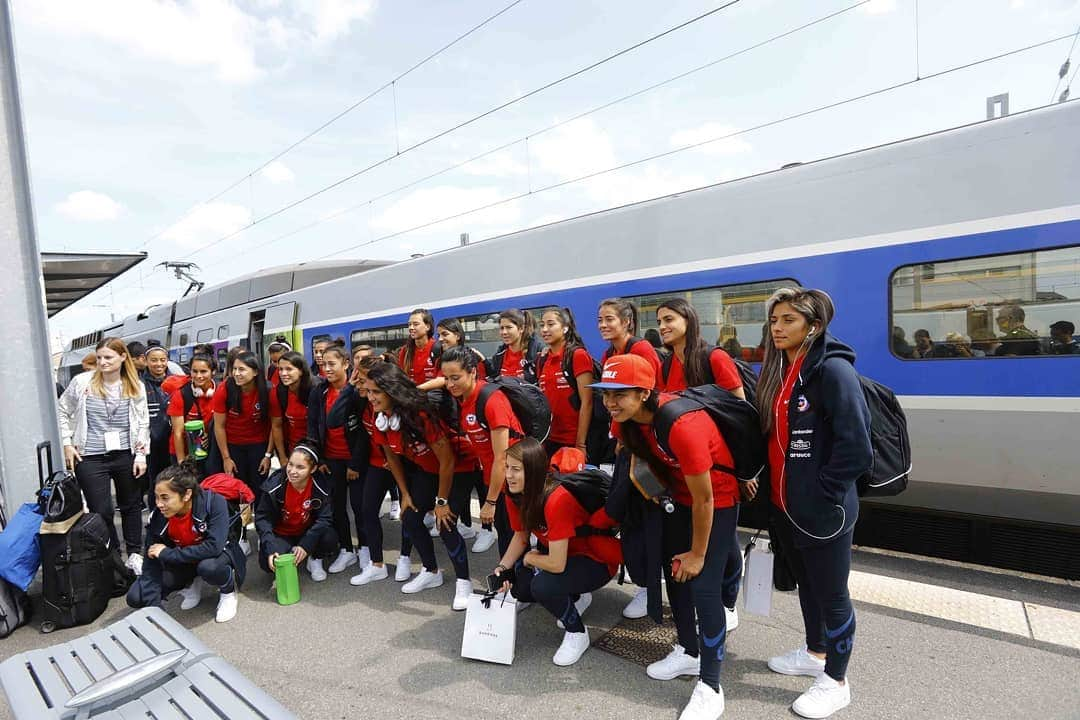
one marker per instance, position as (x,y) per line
(800,444)
(803,404)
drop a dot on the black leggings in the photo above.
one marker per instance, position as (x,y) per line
(158,579)
(247,459)
(558,592)
(464,485)
(326,547)
(341,494)
(96,475)
(375,486)
(822,573)
(422,488)
(704,595)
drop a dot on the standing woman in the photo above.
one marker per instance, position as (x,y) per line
(242,422)
(105,428)
(318,348)
(274,351)
(345,451)
(450,334)
(696,536)
(407,426)
(416,356)
(517,356)
(193,401)
(187,546)
(565,351)
(563,577)
(289,404)
(809,390)
(690,362)
(618,323)
(489,436)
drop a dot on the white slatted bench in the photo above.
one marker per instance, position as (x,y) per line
(145,666)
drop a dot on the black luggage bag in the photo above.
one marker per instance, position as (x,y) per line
(77,573)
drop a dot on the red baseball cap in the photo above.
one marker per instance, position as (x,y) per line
(622,372)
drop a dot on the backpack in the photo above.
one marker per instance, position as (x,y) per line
(77,571)
(527,401)
(599,445)
(737,421)
(590,487)
(747,375)
(888,475)
(447,408)
(14,608)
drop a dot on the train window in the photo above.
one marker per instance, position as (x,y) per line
(731,316)
(183,338)
(482,331)
(384,339)
(1011,305)
(204,335)
(222,332)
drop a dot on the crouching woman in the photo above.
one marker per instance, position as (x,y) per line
(187,545)
(295,514)
(562,578)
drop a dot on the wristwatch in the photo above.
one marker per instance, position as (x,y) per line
(441,502)
(268,455)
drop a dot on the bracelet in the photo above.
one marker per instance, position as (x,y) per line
(490,502)
(502,567)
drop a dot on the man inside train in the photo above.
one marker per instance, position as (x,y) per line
(1018,339)
(1061,338)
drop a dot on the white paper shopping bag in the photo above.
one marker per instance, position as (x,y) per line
(490,629)
(757,579)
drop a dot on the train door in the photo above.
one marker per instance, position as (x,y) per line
(280,322)
(255,334)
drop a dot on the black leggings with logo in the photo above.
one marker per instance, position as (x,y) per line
(377,483)
(422,488)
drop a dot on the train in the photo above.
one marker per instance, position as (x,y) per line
(945,235)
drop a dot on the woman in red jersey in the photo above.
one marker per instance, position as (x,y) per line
(618,323)
(193,401)
(417,356)
(568,393)
(242,422)
(288,404)
(517,356)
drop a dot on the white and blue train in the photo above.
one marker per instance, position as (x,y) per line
(948,234)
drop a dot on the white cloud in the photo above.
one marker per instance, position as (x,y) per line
(207,223)
(703,133)
(432,204)
(331,19)
(879,7)
(89,206)
(277,172)
(501,164)
(573,150)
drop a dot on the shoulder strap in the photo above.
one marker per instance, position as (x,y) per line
(188,393)
(282,397)
(665,366)
(665,419)
(486,392)
(709,375)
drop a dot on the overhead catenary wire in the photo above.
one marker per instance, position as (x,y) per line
(573,118)
(1064,70)
(292,146)
(1065,92)
(691,146)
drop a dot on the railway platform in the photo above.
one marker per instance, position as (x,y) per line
(934,640)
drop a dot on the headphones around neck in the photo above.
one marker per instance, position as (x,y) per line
(199,392)
(384,423)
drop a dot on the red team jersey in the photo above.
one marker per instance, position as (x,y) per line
(415,451)
(724,373)
(294,419)
(201,409)
(563,515)
(513,363)
(552,380)
(181,532)
(423,364)
(779,437)
(499,415)
(378,459)
(337,448)
(244,427)
(295,512)
(643,349)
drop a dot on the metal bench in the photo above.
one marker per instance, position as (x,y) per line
(144,666)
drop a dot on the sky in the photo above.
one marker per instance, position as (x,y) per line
(172,127)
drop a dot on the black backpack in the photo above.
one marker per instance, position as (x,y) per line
(77,573)
(599,445)
(889,438)
(527,401)
(14,608)
(590,487)
(737,420)
(747,375)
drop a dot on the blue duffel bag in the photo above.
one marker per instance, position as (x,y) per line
(20,554)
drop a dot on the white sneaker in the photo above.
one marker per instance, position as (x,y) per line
(675,664)
(369,574)
(426,579)
(315,567)
(363,557)
(731,616)
(466,531)
(226,607)
(134,563)
(705,704)
(429,520)
(582,605)
(824,697)
(404,569)
(245,546)
(638,607)
(462,592)
(574,645)
(191,596)
(344,559)
(797,662)
(395,510)
(484,540)
(433,531)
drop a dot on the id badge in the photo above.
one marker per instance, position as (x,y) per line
(112,440)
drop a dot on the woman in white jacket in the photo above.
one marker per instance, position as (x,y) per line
(105,428)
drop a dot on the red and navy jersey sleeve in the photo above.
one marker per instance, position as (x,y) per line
(724,372)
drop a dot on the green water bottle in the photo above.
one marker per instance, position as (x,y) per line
(288,581)
(198,442)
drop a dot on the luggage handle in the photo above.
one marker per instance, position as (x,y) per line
(119,684)
(45,445)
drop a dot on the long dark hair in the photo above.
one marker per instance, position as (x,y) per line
(635,442)
(410,404)
(525,323)
(453,325)
(626,310)
(298,361)
(410,344)
(463,356)
(695,351)
(233,394)
(538,482)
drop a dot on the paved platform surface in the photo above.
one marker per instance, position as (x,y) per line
(934,640)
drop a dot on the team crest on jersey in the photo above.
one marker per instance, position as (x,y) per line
(803,404)
(470,418)
(202,527)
